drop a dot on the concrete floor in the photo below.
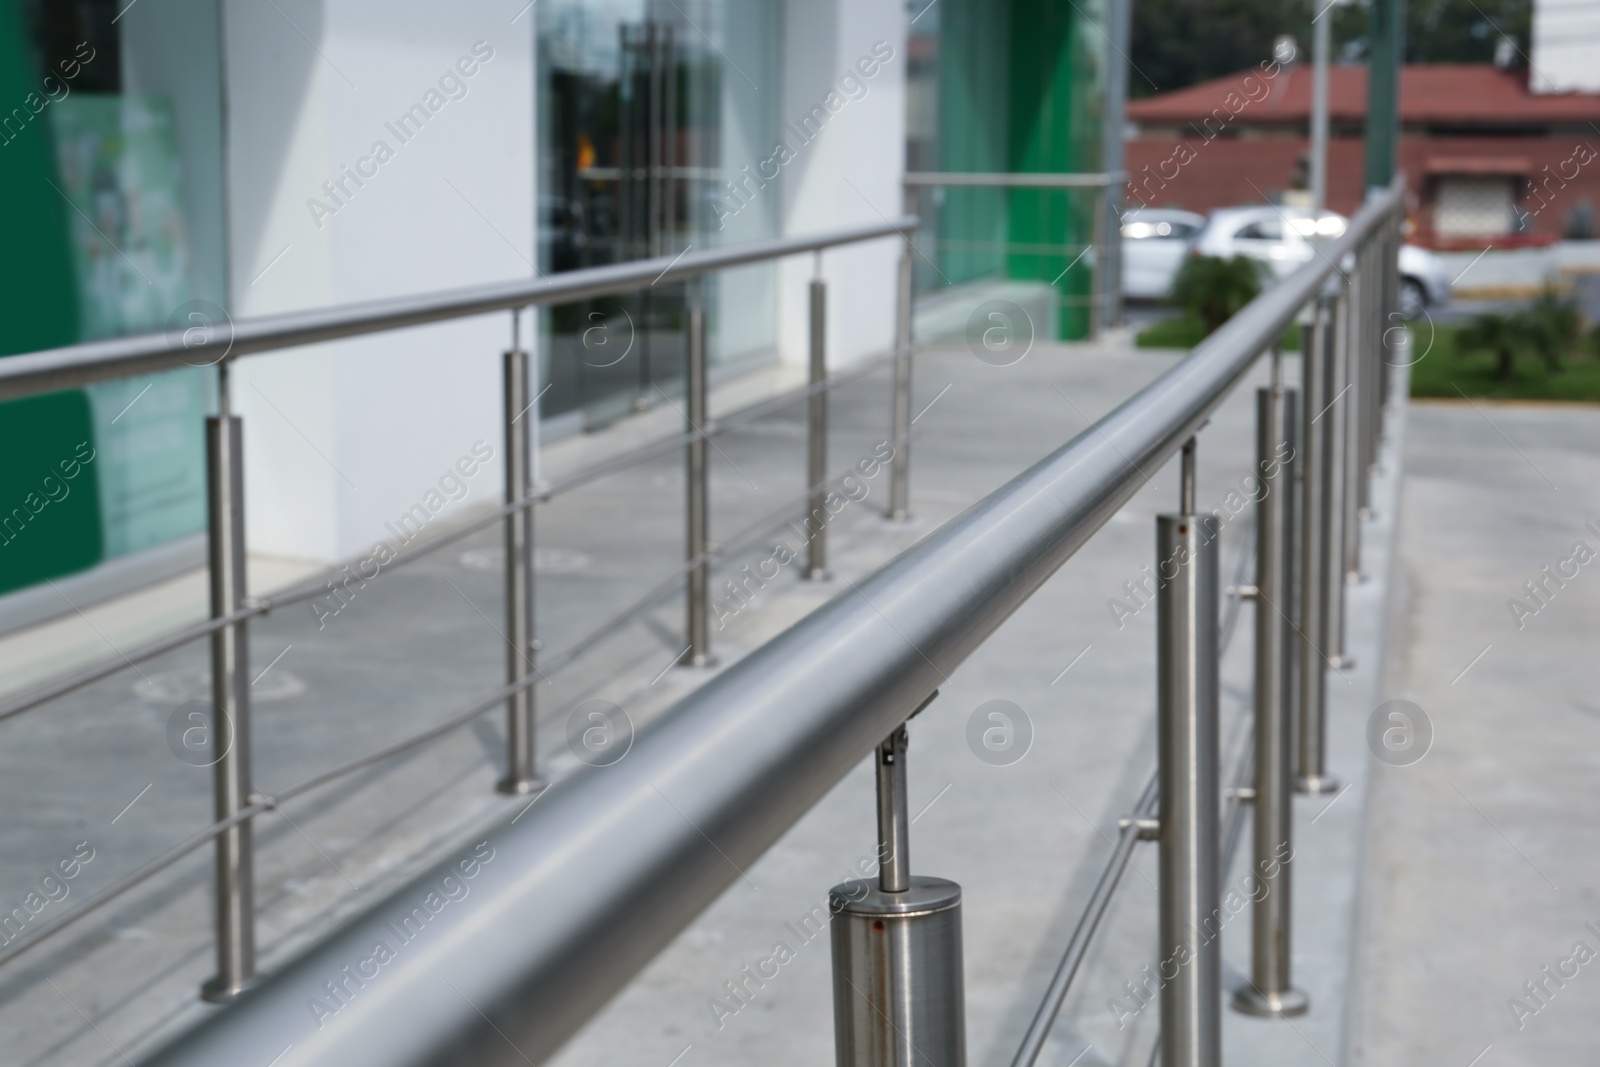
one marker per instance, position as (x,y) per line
(1484,856)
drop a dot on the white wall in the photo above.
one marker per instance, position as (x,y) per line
(1565,55)
(848,175)
(341,438)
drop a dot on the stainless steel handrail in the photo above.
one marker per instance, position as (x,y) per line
(23,375)
(589,884)
(1009,180)
(61,368)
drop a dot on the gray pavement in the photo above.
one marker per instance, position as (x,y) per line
(1484,856)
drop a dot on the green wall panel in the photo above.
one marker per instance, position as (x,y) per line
(1020,91)
(49,487)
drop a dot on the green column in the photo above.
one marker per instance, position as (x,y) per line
(974,42)
(1386,32)
(1019,91)
(1055,128)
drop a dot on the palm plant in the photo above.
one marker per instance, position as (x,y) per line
(1555,325)
(1211,288)
(1505,336)
(1549,328)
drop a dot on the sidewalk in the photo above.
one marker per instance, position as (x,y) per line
(1485,855)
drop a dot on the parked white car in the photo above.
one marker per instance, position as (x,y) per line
(1424,281)
(1284,238)
(1154,242)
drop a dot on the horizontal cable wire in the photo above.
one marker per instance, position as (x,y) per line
(263,804)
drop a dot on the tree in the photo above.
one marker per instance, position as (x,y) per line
(1211,289)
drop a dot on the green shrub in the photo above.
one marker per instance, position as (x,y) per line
(1186,331)
(1211,289)
(1547,329)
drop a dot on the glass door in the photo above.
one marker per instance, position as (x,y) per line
(642,115)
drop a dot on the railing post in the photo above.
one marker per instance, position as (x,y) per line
(898,990)
(1316,472)
(1099,293)
(1186,707)
(698,472)
(230,698)
(521,743)
(1366,338)
(900,465)
(1377,274)
(817,437)
(1335,424)
(1270,992)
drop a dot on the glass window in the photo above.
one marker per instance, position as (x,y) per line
(653,141)
(1267,229)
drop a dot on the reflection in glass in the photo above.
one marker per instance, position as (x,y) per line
(644,119)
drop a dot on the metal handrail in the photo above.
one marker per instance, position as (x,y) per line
(1007,180)
(95,361)
(122,357)
(604,871)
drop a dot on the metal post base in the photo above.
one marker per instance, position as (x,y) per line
(698,659)
(521,787)
(216,991)
(1315,783)
(1251,1001)
(898,997)
(817,574)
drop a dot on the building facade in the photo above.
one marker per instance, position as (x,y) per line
(1486,159)
(188,162)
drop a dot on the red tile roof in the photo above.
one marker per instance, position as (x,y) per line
(1458,94)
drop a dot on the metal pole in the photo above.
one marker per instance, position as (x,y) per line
(817,434)
(1113,156)
(1332,428)
(894,823)
(230,698)
(898,991)
(1097,282)
(1186,478)
(1391,256)
(899,466)
(1315,470)
(1356,353)
(1385,54)
(521,747)
(1380,269)
(698,471)
(1321,37)
(1270,992)
(1186,700)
